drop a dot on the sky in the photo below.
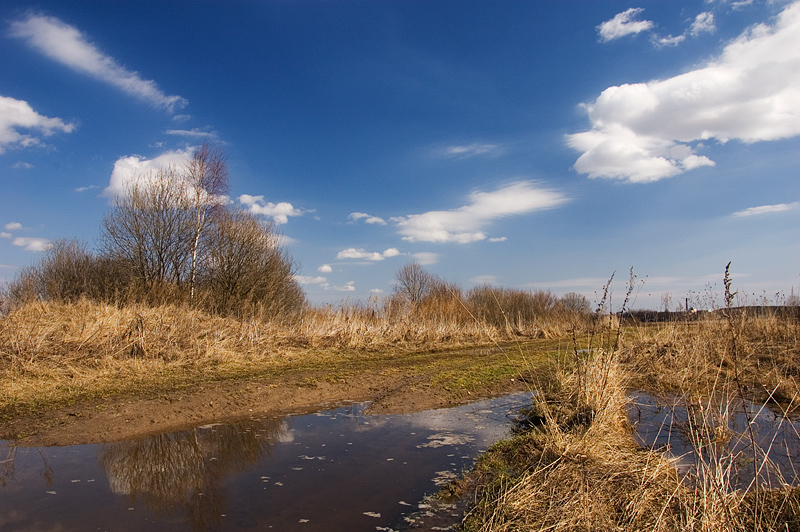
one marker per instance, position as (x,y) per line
(539,144)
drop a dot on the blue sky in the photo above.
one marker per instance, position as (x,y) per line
(528,144)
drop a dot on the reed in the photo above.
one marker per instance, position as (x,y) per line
(579,468)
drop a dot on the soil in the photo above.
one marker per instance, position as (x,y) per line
(391,388)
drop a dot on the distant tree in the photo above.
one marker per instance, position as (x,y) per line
(576,302)
(413,282)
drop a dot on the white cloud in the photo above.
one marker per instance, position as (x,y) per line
(426,258)
(498,239)
(484,279)
(194,132)
(279,212)
(669,40)
(18,114)
(472,150)
(306,279)
(703,23)
(466,224)
(368,218)
(67,45)
(376,291)
(129,169)
(644,132)
(353,253)
(623,24)
(84,189)
(5,235)
(766,209)
(13,226)
(325,268)
(32,244)
(22,165)
(349,286)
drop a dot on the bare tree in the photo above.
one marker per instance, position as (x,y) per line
(151,227)
(246,269)
(576,302)
(206,176)
(413,282)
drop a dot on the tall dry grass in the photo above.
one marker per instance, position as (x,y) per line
(579,468)
(57,351)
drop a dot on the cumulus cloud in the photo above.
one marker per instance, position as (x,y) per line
(349,286)
(669,40)
(703,23)
(18,114)
(766,209)
(128,170)
(67,45)
(13,226)
(5,235)
(307,279)
(368,218)
(643,132)
(362,254)
(32,244)
(279,212)
(623,24)
(325,268)
(466,224)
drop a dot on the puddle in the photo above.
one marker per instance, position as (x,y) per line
(335,470)
(666,426)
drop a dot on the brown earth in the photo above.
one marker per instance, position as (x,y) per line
(394,385)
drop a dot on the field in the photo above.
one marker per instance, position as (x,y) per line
(83,371)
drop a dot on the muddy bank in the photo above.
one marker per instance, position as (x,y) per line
(392,387)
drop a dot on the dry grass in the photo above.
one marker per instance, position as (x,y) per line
(698,356)
(56,352)
(579,467)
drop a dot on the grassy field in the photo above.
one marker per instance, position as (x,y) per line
(577,468)
(53,354)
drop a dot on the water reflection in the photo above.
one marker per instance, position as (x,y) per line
(708,435)
(336,470)
(182,472)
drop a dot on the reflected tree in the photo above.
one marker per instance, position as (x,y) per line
(183,472)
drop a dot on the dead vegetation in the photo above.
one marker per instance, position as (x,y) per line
(579,467)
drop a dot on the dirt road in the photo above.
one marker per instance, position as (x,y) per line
(394,385)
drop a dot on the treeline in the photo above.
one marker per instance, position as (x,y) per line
(172,237)
(422,295)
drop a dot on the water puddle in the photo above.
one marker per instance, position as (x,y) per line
(335,470)
(718,434)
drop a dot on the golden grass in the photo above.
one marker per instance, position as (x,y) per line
(52,353)
(579,468)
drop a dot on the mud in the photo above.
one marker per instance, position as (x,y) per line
(391,391)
